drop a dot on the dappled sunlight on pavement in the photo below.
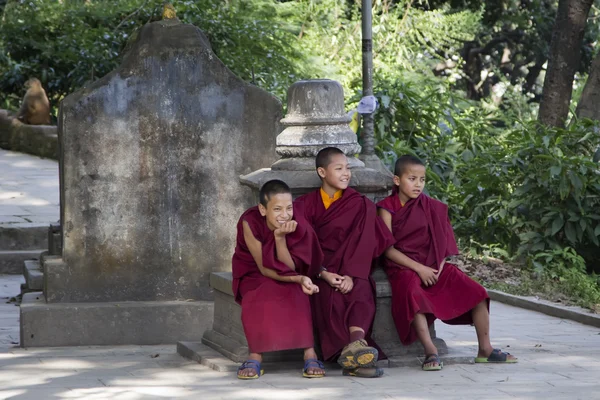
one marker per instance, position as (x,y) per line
(557,360)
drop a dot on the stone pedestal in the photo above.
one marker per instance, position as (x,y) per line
(316,119)
(384,329)
(150,159)
(227,333)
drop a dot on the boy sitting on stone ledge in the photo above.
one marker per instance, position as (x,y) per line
(424,286)
(351,236)
(273,245)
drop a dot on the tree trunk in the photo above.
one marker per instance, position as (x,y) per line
(589,104)
(563,60)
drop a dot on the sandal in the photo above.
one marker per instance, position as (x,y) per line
(312,363)
(497,356)
(432,358)
(363,372)
(252,364)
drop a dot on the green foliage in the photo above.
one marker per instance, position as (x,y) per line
(405,38)
(64,44)
(71,43)
(558,274)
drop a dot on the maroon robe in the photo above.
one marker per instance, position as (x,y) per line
(275,315)
(423,232)
(351,236)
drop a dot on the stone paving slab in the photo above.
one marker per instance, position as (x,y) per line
(558,360)
(31,187)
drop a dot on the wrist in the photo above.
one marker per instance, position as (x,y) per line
(323,274)
(297,279)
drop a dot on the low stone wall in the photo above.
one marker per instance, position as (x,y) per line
(38,140)
(227,334)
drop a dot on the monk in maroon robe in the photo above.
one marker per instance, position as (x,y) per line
(351,236)
(424,285)
(273,245)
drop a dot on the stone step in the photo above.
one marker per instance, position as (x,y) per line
(11,261)
(111,323)
(23,236)
(34,277)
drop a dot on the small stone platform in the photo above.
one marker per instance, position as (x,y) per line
(228,339)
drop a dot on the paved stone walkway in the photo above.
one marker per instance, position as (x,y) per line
(559,359)
(29,191)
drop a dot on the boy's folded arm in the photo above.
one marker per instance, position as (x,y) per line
(283,253)
(255,248)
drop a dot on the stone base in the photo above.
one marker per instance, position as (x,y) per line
(227,333)
(122,323)
(384,329)
(365,180)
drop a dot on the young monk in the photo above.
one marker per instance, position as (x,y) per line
(273,244)
(351,236)
(424,285)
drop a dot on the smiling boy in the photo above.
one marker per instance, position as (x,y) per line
(424,285)
(351,236)
(273,245)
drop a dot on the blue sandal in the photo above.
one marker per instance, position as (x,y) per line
(497,356)
(432,358)
(252,364)
(313,363)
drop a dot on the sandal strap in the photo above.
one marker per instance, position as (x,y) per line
(311,362)
(251,364)
(498,355)
(431,358)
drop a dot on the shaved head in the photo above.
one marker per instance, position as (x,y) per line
(404,162)
(324,156)
(272,188)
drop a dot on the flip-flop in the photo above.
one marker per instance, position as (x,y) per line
(312,363)
(252,364)
(497,356)
(430,359)
(363,372)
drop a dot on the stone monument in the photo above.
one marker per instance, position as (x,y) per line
(151,156)
(315,119)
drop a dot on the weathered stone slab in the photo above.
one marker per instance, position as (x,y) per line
(111,323)
(11,261)
(23,236)
(151,157)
